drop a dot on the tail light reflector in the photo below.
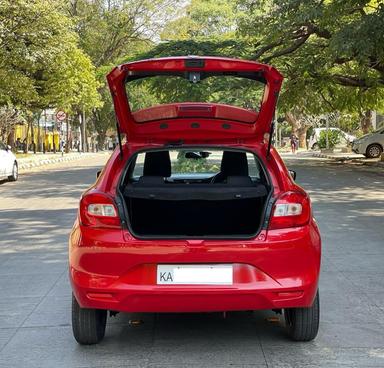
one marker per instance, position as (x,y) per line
(98,210)
(290,210)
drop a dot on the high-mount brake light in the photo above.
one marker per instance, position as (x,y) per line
(98,210)
(291,209)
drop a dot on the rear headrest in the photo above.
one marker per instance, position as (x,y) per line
(157,164)
(234,164)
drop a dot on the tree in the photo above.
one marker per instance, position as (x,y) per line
(203,19)
(39,55)
(113,30)
(339,40)
(110,29)
(329,51)
(203,27)
(332,50)
(9,118)
(41,64)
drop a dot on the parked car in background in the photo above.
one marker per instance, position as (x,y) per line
(370,145)
(196,211)
(345,138)
(8,163)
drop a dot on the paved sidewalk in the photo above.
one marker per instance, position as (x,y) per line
(40,159)
(351,157)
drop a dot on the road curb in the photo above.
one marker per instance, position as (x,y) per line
(349,158)
(47,161)
(331,157)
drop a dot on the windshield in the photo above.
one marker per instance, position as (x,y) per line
(242,92)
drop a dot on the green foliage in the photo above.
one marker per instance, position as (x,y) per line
(330,51)
(56,53)
(40,62)
(214,46)
(240,92)
(203,18)
(189,165)
(349,123)
(110,31)
(230,90)
(333,138)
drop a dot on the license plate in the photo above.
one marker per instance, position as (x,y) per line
(195,274)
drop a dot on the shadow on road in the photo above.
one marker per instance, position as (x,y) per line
(32,231)
(53,183)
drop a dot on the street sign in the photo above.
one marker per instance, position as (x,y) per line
(61,115)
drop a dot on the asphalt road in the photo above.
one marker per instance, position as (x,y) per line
(37,212)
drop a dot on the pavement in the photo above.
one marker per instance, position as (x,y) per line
(37,213)
(347,156)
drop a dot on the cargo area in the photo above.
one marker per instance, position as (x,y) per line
(199,193)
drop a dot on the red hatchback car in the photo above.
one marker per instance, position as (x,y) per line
(195,211)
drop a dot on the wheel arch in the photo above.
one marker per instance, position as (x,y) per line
(374,144)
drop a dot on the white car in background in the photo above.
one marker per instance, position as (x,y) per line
(370,145)
(346,138)
(8,164)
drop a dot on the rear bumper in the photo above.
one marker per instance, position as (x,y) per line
(204,299)
(277,270)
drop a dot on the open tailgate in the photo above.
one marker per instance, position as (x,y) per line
(192,121)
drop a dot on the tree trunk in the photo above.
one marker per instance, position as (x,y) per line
(26,139)
(33,137)
(38,133)
(291,118)
(101,139)
(11,138)
(366,121)
(84,138)
(298,129)
(302,133)
(67,137)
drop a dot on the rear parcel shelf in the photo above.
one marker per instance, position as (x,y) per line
(156,188)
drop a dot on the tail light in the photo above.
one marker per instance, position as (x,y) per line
(98,210)
(290,210)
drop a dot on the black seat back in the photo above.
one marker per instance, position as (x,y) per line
(232,164)
(157,163)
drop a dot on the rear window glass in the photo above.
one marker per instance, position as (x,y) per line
(198,163)
(224,89)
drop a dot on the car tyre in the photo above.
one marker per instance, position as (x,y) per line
(315,146)
(374,151)
(88,325)
(15,172)
(303,323)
